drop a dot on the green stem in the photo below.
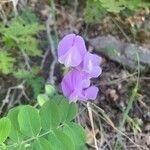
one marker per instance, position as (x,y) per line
(30,139)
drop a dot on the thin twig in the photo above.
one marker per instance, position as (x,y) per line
(7,97)
(44,57)
(92,124)
(2,15)
(117,80)
(26,59)
(51,43)
(108,120)
(15,3)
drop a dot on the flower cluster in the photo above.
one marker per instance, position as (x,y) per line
(76,83)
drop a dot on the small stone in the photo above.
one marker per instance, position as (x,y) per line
(119,86)
(147,128)
(114,95)
(124,53)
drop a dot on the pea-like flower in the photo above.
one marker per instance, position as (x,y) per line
(76,86)
(71,50)
(90,65)
(76,83)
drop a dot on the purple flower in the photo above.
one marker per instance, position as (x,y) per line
(76,83)
(76,86)
(71,50)
(90,65)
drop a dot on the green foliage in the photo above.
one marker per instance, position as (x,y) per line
(135,4)
(64,142)
(76,133)
(29,121)
(28,16)
(136,124)
(36,84)
(31,78)
(5,126)
(119,5)
(41,144)
(47,113)
(6,62)
(47,127)
(113,5)
(15,134)
(42,98)
(21,36)
(68,111)
(19,43)
(49,90)
(95,9)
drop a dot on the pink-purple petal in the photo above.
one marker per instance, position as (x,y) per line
(71,50)
(91,92)
(85,83)
(96,72)
(79,42)
(76,83)
(71,82)
(65,44)
(73,97)
(91,65)
(70,58)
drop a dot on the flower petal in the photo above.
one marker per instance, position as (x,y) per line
(91,65)
(86,83)
(74,96)
(95,59)
(91,92)
(96,72)
(72,83)
(72,58)
(65,44)
(80,44)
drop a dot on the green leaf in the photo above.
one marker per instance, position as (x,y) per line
(135,4)
(5,127)
(49,89)
(21,36)
(19,147)
(67,110)
(30,46)
(26,74)
(96,11)
(15,133)
(23,74)
(29,121)
(113,5)
(6,62)
(58,98)
(28,16)
(50,117)
(76,133)
(60,140)
(42,98)
(19,29)
(35,82)
(36,85)
(42,144)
